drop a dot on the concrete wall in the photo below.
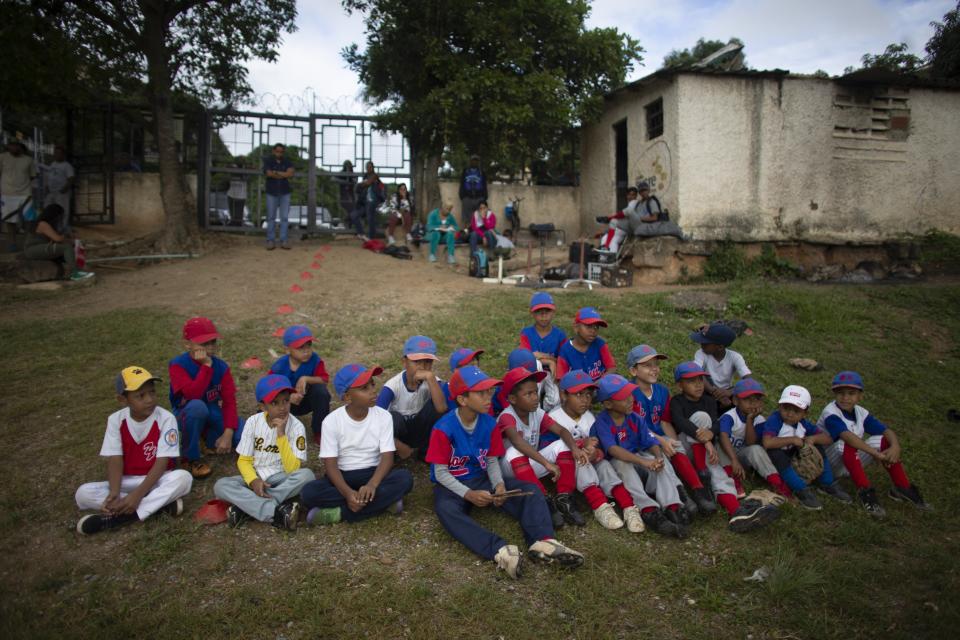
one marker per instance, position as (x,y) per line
(137,203)
(559,205)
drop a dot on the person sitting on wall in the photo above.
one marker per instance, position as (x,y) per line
(649,218)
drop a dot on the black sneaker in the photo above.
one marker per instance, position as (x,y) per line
(97,522)
(807,499)
(603,219)
(752,515)
(568,510)
(287,516)
(868,498)
(555,516)
(689,504)
(912,495)
(236,516)
(836,492)
(705,502)
(174,509)
(680,518)
(659,523)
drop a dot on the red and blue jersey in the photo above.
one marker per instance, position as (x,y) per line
(314,366)
(654,408)
(595,361)
(189,380)
(550,343)
(775,427)
(139,457)
(465,454)
(633,434)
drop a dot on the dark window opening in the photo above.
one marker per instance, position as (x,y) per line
(654,112)
(620,162)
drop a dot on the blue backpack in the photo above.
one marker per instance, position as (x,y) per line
(479,268)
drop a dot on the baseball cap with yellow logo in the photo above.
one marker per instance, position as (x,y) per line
(132,378)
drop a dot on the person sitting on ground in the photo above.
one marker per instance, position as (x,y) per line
(46,244)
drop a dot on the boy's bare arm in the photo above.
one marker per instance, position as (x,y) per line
(333,474)
(114,476)
(776,442)
(436,392)
(524,447)
(578,454)
(369,490)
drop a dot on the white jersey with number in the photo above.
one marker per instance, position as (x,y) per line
(579,429)
(529,430)
(259,440)
(855,426)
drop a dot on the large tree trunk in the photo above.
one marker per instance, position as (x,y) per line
(425,168)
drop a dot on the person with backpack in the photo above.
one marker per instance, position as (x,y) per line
(649,217)
(371,194)
(473,189)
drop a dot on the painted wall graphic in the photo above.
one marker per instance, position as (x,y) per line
(655,166)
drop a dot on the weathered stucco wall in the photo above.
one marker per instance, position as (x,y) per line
(559,205)
(138,206)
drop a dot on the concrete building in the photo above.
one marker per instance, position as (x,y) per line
(770,156)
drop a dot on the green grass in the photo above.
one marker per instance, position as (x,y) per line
(834,574)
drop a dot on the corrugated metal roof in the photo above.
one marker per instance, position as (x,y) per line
(667,73)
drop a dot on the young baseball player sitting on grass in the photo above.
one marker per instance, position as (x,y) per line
(522,424)
(140,444)
(586,350)
(414,397)
(651,401)
(460,358)
(203,396)
(357,452)
(695,414)
(465,447)
(741,445)
(634,453)
(860,438)
(542,338)
(785,432)
(547,388)
(597,479)
(718,361)
(271,450)
(308,375)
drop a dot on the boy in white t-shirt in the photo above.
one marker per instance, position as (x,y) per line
(357,447)
(719,362)
(141,445)
(272,448)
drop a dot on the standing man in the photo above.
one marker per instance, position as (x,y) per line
(16,186)
(278,170)
(58,181)
(372,193)
(473,189)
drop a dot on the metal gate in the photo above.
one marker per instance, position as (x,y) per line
(235,144)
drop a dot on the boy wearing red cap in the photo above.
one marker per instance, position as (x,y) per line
(357,450)
(464,452)
(140,444)
(203,396)
(308,375)
(586,350)
(859,438)
(542,338)
(522,423)
(271,451)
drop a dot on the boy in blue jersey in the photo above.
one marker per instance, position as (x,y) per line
(464,452)
(542,338)
(308,376)
(460,357)
(586,350)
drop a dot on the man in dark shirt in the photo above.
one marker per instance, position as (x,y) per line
(278,171)
(473,189)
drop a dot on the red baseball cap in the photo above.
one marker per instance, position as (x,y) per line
(199,330)
(515,377)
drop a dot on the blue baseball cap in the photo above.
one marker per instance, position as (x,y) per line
(470,378)
(847,379)
(269,386)
(589,315)
(522,358)
(296,336)
(614,387)
(748,387)
(351,376)
(642,353)
(541,300)
(462,356)
(689,369)
(420,348)
(715,333)
(576,381)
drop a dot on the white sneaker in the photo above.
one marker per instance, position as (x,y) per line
(391,240)
(607,517)
(432,258)
(409,237)
(631,515)
(510,560)
(551,550)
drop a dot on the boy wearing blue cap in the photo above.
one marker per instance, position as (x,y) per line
(460,357)
(464,452)
(141,445)
(586,350)
(547,388)
(357,451)
(859,438)
(308,375)
(414,397)
(542,338)
(272,449)
(720,362)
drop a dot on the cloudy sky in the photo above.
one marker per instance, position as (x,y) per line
(801,36)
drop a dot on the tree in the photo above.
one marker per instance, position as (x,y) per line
(703,48)
(895,57)
(943,49)
(199,47)
(502,78)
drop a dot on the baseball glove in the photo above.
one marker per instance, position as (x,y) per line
(766,498)
(808,463)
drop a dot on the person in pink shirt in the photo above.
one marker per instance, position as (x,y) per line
(482,224)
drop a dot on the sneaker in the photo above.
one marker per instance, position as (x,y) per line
(362,238)
(607,516)
(689,504)
(510,560)
(555,516)
(236,516)
(679,518)
(868,498)
(318,515)
(835,491)
(631,516)
(285,246)
(174,509)
(451,260)
(752,515)
(397,507)
(705,502)
(568,510)
(659,523)
(391,240)
(77,275)
(808,500)
(409,237)
(912,495)
(97,522)
(271,246)
(432,258)
(603,219)
(286,516)
(550,550)
(197,468)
